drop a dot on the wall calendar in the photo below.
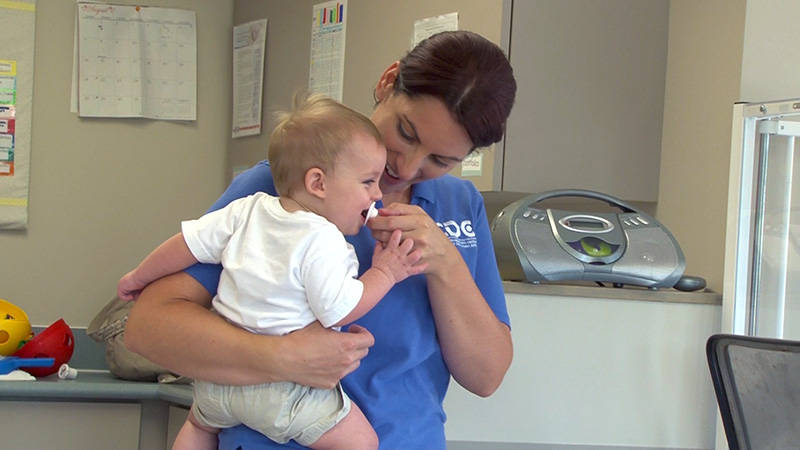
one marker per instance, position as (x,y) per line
(136,61)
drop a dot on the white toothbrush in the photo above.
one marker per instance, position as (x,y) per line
(371,212)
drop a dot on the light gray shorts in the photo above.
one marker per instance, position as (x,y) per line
(281,411)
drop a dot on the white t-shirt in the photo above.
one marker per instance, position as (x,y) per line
(281,270)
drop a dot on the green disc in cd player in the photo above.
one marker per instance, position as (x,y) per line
(594,238)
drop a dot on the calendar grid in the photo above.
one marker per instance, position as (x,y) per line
(137,62)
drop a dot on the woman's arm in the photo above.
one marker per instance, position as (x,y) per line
(171,325)
(477,347)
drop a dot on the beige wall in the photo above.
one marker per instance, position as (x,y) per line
(703,72)
(590,98)
(103,192)
(720,52)
(771,59)
(379,32)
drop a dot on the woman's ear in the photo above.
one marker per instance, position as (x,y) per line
(315,182)
(386,81)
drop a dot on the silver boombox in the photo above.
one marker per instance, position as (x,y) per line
(538,244)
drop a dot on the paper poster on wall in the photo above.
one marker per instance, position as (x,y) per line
(248,77)
(8,82)
(472,165)
(328,29)
(136,61)
(432,25)
(16,100)
(6,154)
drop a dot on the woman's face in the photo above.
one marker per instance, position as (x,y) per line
(422,139)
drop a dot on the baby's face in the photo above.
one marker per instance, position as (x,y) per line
(354,184)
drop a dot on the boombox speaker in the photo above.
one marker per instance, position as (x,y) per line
(538,244)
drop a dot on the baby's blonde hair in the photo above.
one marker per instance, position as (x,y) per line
(312,134)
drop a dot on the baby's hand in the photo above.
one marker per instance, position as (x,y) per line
(396,259)
(128,288)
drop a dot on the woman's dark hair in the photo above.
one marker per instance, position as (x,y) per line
(470,74)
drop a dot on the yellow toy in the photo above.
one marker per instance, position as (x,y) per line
(15,328)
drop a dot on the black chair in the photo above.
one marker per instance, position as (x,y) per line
(757,383)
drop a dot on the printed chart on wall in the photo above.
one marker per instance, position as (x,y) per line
(328,27)
(135,61)
(16,98)
(249,42)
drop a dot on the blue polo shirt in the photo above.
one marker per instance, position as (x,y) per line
(401,384)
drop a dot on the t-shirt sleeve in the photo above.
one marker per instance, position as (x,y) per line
(256,179)
(208,236)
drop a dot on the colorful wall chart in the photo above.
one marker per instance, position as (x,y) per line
(328,29)
(16,99)
(8,101)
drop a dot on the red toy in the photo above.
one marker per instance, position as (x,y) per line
(55,341)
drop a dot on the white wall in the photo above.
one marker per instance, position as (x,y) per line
(77,426)
(64,425)
(771,60)
(589,371)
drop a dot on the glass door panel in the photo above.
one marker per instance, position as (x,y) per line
(761,295)
(776,255)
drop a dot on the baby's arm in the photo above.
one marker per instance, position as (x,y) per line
(390,265)
(171,256)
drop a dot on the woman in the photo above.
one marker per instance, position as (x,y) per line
(448,96)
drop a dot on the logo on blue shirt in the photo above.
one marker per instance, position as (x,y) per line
(460,234)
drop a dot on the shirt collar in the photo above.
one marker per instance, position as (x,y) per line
(425,190)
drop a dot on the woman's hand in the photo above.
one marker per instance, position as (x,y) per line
(476,346)
(436,249)
(322,356)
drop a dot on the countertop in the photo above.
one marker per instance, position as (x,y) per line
(95,386)
(590,290)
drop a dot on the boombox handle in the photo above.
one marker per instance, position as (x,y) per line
(594,195)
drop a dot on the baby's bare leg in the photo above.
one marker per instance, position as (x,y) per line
(193,436)
(352,432)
